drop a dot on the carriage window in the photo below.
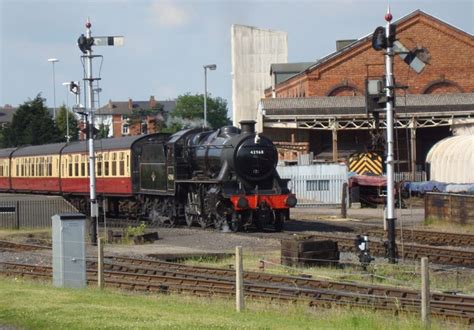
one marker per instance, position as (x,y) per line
(99,168)
(83,169)
(49,166)
(128,164)
(114,164)
(70,170)
(76,165)
(32,169)
(106,168)
(121,164)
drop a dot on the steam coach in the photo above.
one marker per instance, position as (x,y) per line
(221,178)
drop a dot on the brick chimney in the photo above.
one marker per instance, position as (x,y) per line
(152,102)
(130,104)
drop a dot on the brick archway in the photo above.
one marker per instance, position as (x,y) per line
(344,90)
(442,86)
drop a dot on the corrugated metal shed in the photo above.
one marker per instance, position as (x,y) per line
(451,160)
(315,184)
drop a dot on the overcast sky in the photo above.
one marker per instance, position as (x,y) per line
(168,42)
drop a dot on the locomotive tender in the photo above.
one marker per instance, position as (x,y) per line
(224,177)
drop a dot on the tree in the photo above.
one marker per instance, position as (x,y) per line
(31,125)
(103,132)
(61,121)
(141,117)
(189,111)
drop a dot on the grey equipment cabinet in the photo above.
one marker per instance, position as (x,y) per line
(69,253)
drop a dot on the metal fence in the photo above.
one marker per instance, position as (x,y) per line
(16,213)
(317,184)
(408,176)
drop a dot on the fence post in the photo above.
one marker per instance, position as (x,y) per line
(17,214)
(425,293)
(344,201)
(100,263)
(239,280)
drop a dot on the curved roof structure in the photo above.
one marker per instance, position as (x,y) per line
(452,160)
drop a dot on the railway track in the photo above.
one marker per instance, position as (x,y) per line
(277,289)
(12,246)
(150,266)
(428,237)
(439,255)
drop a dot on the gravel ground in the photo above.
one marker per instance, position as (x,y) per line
(195,240)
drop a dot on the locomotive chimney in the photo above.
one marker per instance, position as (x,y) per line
(247,126)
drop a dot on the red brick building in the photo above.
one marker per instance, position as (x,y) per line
(324,103)
(449,69)
(133,117)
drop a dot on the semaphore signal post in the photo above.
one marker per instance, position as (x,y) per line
(85,44)
(384,39)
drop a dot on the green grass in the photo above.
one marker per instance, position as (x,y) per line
(33,305)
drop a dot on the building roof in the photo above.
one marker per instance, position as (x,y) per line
(368,37)
(123,107)
(452,160)
(289,67)
(284,71)
(330,105)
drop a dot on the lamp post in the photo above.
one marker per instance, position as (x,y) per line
(54,60)
(210,67)
(68,86)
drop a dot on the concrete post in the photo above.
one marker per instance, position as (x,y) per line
(239,280)
(413,148)
(100,263)
(425,293)
(334,141)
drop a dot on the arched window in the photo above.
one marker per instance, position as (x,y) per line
(344,90)
(442,86)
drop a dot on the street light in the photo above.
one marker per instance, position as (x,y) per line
(210,67)
(54,60)
(68,86)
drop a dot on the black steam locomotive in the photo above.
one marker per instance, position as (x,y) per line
(222,178)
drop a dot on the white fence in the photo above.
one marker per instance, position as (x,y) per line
(316,185)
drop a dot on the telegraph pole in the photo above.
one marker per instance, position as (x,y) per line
(390,94)
(85,44)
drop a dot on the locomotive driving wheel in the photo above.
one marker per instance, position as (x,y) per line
(219,221)
(280,218)
(203,221)
(154,214)
(168,210)
(236,222)
(190,216)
